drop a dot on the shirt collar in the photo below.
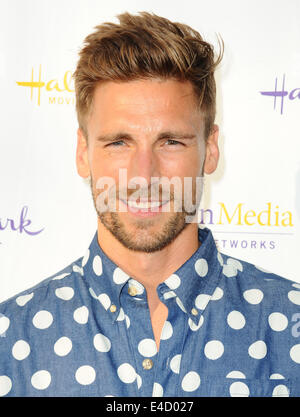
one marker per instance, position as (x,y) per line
(193,284)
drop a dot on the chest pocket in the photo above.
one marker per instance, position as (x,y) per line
(232,387)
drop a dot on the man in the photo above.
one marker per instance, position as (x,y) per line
(152,308)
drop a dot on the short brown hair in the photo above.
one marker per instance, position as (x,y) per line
(146,46)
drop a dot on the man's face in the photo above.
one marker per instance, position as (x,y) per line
(149,128)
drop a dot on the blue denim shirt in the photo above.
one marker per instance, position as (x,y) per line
(232,330)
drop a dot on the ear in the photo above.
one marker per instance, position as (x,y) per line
(212,151)
(82,162)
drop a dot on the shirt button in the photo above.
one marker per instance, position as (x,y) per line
(132,291)
(113,308)
(194,312)
(147,364)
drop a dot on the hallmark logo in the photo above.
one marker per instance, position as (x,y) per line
(54,85)
(281,93)
(19,225)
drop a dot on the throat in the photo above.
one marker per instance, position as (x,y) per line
(158,315)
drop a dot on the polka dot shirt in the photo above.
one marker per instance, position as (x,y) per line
(232,329)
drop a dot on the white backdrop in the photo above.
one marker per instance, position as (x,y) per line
(253,197)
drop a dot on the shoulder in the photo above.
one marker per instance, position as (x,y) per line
(257,284)
(33,298)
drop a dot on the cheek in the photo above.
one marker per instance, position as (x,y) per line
(102,166)
(186,165)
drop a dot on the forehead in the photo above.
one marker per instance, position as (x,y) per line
(144,101)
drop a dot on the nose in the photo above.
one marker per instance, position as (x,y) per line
(144,164)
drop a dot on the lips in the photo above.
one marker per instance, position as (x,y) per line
(144,204)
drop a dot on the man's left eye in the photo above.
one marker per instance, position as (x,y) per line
(173,142)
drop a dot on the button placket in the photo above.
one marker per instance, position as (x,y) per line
(140,329)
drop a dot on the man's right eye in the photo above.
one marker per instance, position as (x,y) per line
(117,143)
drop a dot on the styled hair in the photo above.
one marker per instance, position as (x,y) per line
(146,46)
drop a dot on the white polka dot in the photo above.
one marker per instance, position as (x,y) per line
(5,385)
(201,267)
(235,263)
(280,391)
(239,389)
(253,296)
(127,321)
(119,276)
(105,301)
(102,343)
(85,375)
(194,327)
(296,285)
(220,259)
(180,305)
(147,347)
(277,322)
(121,315)
(294,297)
(126,373)
(258,350)
(4,324)
(169,294)
(20,350)
(42,320)
(93,294)
(202,301)
(139,381)
(295,353)
(64,293)
(41,379)
(173,282)
(236,374)
(23,299)
(97,265)
(229,271)
(214,349)
(61,276)
(167,331)
(276,376)
(78,269)
(190,382)
(158,390)
(81,315)
(236,320)
(175,364)
(63,346)
(85,258)
(218,294)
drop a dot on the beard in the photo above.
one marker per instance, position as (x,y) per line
(142,235)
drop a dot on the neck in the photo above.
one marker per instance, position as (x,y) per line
(150,269)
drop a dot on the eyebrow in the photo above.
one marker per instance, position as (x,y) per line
(163,135)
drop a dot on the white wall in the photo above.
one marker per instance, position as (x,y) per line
(260,144)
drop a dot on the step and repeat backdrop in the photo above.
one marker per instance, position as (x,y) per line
(251,203)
